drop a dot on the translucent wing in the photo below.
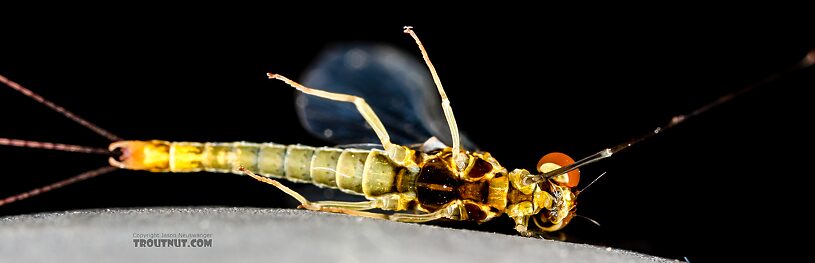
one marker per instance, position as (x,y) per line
(396,85)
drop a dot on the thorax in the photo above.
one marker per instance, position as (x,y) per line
(479,186)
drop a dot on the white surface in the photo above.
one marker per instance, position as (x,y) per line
(271,235)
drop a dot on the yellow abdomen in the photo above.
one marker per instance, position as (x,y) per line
(355,171)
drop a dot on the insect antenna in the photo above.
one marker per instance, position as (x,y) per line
(592,182)
(589,219)
(807,61)
(40,190)
(59,109)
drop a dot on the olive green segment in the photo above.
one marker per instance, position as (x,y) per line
(324,167)
(271,158)
(379,175)
(350,168)
(245,154)
(217,157)
(298,163)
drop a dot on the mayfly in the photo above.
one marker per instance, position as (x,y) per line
(410,171)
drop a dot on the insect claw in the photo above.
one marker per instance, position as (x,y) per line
(408,29)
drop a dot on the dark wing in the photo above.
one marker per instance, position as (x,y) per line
(396,85)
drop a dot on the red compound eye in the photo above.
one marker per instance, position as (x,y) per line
(572,178)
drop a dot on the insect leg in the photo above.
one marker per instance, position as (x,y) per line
(353,208)
(445,102)
(362,106)
(417,218)
(390,202)
(451,211)
(522,226)
(358,206)
(398,217)
(306,204)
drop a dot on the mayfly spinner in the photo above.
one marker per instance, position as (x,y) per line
(394,171)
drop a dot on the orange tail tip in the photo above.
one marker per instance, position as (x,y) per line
(151,156)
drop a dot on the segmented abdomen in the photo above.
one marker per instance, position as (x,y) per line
(361,172)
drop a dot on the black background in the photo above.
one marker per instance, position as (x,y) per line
(521,85)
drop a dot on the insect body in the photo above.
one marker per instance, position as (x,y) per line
(431,179)
(425,181)
(434,180)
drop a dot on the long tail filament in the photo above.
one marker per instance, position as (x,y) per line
(59,109)
(77,178)
(56,146)
(52,146)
